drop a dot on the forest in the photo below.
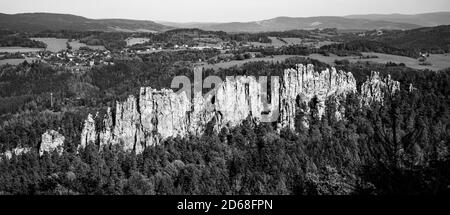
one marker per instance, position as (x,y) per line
(400,147)
(8,39)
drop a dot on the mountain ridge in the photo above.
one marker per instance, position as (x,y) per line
(424,19)
(41,21)
(54,21)
(284,23)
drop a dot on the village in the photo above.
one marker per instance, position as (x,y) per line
(85,57)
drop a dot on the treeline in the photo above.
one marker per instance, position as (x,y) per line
(112,41)
(408,43)
(430,39)
(352,156)
(32,86)
(405,141)
(355,47)
(20,40)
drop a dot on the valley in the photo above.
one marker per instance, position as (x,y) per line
(352,105)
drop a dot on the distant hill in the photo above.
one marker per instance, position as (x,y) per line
(187,24)
(50,21)
(33,22)
(290,23)
(436,39)
(425,19)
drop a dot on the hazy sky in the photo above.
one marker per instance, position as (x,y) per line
(220,10)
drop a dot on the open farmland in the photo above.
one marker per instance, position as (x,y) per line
(274,59)
(131,41)
(289,41)
(438,61)
(53,44)
(293,41)
(277,42)
(15,61)
(15,49)
(57,44)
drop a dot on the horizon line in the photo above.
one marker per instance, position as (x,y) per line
(199,22)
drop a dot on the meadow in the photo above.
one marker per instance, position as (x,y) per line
(57,44)
(289,41)
(438,61)
(53,44)
(15,49)
(15,61)
(131,41)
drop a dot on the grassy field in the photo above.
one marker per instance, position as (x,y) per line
(136,40)
(57,44)
(18,49)
(53,44)
(292,41)
(276,42)
(15,61)
(277,58)
(438,61)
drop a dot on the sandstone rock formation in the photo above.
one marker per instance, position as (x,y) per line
(88,133)
(106,135)
(375,89)
(51,140)
(171,113)
(301,85)
(126,129)
(202,113)
(16,151)
(159,114)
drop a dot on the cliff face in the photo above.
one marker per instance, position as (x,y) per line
(88,133)
(106,135)
(301,85)
(243,96)
(159,114)
(127,123)
(375,89)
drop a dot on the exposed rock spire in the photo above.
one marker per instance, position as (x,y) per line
(159,114)
(375,89)
(299,86)
(88,134)
(51,140)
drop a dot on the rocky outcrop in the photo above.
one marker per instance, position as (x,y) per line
(16,151)
(106,134)
(156,115)
(300,86)
(51,140)
(202,113)
(127,124)
(237,99)
(170,113)
(147,113)
(88,133)
(376,89)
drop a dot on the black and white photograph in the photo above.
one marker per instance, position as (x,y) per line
(224,98)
